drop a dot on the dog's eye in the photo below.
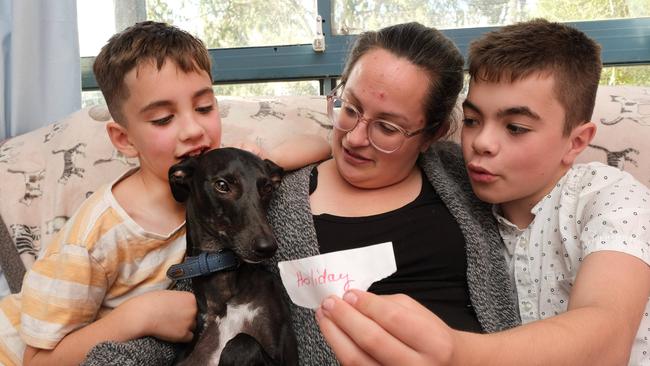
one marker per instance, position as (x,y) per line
(267,188)
(222,186)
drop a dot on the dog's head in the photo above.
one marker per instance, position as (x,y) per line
(227,193)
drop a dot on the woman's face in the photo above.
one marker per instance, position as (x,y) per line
(383,86)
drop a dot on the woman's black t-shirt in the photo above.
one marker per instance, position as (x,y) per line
(429,252)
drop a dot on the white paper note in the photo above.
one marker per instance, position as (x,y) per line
(310,280)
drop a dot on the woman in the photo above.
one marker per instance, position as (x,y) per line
(389,180)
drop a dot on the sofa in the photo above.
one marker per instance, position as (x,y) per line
(45,174)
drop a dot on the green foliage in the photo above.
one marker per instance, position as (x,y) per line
(592,9)
(158,10)
(626,75)
(240,23)
(356,16)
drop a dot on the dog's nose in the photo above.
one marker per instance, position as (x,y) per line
(264,247)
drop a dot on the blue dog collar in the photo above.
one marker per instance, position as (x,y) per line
(203,264)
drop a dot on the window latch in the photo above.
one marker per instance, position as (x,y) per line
(319,40)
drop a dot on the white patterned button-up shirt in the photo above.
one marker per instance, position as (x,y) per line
(593,207)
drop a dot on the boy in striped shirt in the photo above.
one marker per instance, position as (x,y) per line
(103,277)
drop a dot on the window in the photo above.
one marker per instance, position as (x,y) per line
(355,16)
(262,47)
(96,21)
(305,87)
(626,75)
(220,24)
(224,24)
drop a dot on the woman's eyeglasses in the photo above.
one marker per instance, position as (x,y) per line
(384,135)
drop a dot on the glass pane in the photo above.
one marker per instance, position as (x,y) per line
(240,23)
(96,22)
(307,87)
(355,16)
(91,98)
(304,87)
(626,75)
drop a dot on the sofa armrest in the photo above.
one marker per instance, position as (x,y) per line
(12,267)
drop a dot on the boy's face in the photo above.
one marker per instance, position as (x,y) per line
(169,115)
(513,141)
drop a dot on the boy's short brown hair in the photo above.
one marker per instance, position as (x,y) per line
(538,46)
(145,42)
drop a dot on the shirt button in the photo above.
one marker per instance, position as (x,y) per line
(526,305)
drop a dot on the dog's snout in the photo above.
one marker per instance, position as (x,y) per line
(264,247)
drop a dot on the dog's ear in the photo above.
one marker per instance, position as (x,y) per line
(275,172)
(180,176)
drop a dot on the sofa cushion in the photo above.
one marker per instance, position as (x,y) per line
(622,114)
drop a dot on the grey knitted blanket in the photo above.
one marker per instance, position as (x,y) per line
(491,290)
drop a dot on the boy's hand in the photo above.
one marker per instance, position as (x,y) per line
(367,329)
(599,327)
(167,315)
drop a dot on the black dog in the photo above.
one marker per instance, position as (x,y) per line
(243,317)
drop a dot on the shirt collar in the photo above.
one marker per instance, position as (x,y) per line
(510,231)
(507,229)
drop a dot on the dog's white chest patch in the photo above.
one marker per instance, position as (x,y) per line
(231,325)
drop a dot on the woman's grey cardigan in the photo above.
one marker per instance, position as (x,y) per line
(490,288)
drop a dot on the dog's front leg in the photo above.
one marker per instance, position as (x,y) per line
(205,351)
(245,350)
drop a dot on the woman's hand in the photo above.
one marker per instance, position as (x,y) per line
(367,329)
(252,147)
(294,152)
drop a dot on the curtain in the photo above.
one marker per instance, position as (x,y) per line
(40,72)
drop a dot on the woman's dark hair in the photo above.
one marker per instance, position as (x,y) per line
(428,49)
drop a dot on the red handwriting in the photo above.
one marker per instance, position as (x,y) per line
(322,278)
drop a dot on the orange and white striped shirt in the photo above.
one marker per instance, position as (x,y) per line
(100,259)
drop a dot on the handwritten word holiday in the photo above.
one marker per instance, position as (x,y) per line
(316,277)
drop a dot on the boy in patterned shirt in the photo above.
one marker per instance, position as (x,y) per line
(576,236)
(103,277)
